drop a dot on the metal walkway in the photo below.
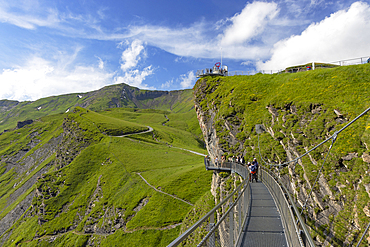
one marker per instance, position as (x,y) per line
(264,227)
(254,214)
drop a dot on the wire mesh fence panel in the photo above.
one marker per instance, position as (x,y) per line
(295,236)
(287,217)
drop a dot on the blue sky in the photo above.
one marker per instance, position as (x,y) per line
(51,47)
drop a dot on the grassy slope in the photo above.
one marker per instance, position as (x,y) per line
(114,161)
(345,89)
(29,110)
(14,141)
(176,101)
(182,129)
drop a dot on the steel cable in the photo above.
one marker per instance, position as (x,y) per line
(334,136)
(318,175)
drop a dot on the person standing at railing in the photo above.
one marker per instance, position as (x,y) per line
(216,161)
(206,161)
(240,159)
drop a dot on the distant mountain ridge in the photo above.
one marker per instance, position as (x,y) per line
(120,95)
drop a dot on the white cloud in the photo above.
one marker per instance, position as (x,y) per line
(167,84)
(200,39)
(130,59)
(28,19)
(131,56)
(101,63)
(204,40)
(135,78)
(342,35)
(39,78)
(247,63)
(252,34)
(187,80)
(249,23)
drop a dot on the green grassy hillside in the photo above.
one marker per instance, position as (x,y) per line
(89,185)
(115,96)
(297,111)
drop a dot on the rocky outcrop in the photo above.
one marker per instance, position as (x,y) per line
(72,143)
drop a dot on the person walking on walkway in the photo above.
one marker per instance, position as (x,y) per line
(249,165)
(255,163)
(253,170)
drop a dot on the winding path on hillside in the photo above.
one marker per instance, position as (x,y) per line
(74,231)
(150,129)
(160,191)
(200,154)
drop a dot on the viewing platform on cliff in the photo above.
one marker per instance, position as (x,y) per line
(216,70)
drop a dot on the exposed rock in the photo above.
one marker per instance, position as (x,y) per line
(141,204)
(24,123)
(367,188)
(316,109)
(367,211)
(273,111)
(10,218)
(350,156)
(366,157)
(340,115)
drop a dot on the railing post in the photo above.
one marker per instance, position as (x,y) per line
(211,240)
(245,198)
(231,227)
(239,213)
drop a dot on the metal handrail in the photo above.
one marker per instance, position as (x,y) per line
(224,217)
(290,202)
(243,171)
(183,236)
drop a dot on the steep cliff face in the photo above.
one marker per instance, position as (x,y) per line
(338,209)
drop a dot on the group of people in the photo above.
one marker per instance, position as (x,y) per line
(253,170)
(220,163)
(252,166)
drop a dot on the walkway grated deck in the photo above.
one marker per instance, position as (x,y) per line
(264,227)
